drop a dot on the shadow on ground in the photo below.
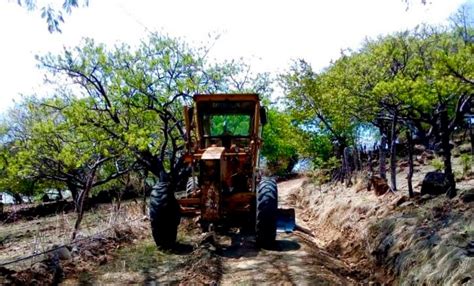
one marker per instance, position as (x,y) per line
(292,260)
(227,258)
(244,245)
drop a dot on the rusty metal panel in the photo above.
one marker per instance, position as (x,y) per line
(210,208)
(231,97)
(213,153)
(239,202)
(189,201)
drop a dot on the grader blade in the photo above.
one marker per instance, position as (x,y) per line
(286,220)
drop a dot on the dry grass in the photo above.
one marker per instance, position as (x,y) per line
(416,242)
(25,238)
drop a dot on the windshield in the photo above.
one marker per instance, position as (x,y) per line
(227,125)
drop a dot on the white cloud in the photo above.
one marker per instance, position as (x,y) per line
(267,33)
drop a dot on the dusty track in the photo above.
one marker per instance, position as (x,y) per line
(296,258)
(228,258)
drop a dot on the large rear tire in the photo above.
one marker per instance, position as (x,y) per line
(164,215)
(266,217)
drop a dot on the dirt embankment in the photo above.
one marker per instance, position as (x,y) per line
(423,241)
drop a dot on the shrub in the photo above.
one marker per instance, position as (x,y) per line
(324,169)
(437,164)
(466,162)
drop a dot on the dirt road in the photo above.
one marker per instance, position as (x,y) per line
(226,259)
(295,260)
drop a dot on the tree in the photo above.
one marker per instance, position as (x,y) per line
(419,89)
(51,147)
(417,81)
(414,85)
(311,99)
(282,142)
(135,97)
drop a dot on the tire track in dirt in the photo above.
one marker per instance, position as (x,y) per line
(296,259)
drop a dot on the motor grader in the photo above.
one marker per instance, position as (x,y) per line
(224,137)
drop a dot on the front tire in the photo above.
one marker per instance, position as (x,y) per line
(164,215)
(266,217)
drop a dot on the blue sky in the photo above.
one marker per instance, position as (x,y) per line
(266,34)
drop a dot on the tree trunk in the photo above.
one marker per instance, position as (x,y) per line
(17,199)
(410,163)
(80,204)
(291,164)
(382,171)
(347,167)
(369,162)
(356,155)
(421,134)
(120,191)
(74,192)
(471,133)
(144,188)
(393,153)
(118,202)
(60,195)
(448,169)
(144,204)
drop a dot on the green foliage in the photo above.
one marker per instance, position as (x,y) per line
(122,105)
(319,147)
(312,100)
(116,109)
(458,176)
(47,149)
(319,176)
(323,171)
(417,75)
(230,124)
(52,14)
(282,142)
(331,164)
(437,164)
(466,163)
(133,98)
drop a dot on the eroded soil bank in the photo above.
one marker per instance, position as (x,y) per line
(421,241)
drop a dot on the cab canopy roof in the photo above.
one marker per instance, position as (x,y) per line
(227,97)
(226,103)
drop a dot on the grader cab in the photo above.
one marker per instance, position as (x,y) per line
(224,136)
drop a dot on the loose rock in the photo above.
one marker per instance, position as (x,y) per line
(380,185)
(465,148)
(405,204)
(468,196)
(434,183)
(418,149)
(425,197)
(63,253)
